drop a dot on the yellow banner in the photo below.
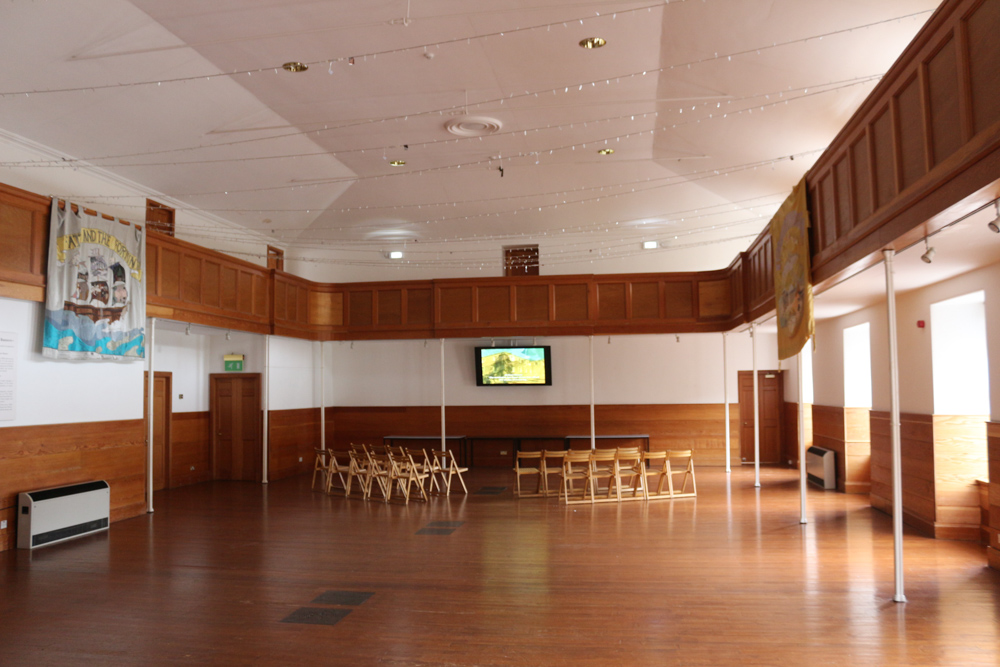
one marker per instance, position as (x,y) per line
(792,290)
(100,237)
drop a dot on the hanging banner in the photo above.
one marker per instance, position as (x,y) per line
(792,290)
(95,296)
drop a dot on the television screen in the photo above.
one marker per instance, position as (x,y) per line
(513,366)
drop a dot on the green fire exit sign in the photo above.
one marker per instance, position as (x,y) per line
(233,362)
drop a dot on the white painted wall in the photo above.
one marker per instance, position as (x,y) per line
(59,391)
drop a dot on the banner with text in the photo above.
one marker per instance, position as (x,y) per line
(95,296)
(793,298)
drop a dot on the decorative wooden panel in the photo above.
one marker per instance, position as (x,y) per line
(984,63)
(912,149)
(846,432)
(714,298)
(645,300)
(390,307)
(360,308)
(960,458)
(292,434)
(678,300)
(885,159)
(419,306)
(571,302)
(210,287)
(455,304)
(611,301)
(191,279)
(494,304)
(23,252)
(228,288)
(943,97)
(862,181)
(993,497)
(531,302)
(170,276)
(190,448)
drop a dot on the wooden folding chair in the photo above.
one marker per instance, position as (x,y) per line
(338,464)
(528,463)
(551,464)
(359,469)
(602,467)
(576,466)
(449,468)
(379,466)
(688,472)
(628,469)
(320,468)
(656,469)
(425,464)
(413,474)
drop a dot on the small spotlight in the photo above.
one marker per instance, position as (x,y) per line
(187,332)
(928,255)
(397,163)
(229,335)
(395,254)
(593,42)
(606,151)
(994,224)
(295,67)
(649,245)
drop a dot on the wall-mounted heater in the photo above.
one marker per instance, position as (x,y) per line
(54,515)
(821,467)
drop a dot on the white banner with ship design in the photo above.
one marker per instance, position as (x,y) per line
(95,296)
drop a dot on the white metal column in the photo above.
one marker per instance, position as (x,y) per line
(149,414)
(266,392)
(802,441)
(443,433)
(897,477)
(756,410)
(593,430)
(725,400)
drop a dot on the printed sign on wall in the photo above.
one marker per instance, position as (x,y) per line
(95,296)
(8,375)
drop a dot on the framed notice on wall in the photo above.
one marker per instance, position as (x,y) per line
(8,375)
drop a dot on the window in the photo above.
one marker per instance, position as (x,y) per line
(520,261)
(958,356)
(858,366)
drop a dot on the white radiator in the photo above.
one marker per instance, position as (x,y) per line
(54,515)
(821,467)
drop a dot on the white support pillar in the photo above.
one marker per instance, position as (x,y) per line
(756,410)
(322,395)
(725,401)
(444,446)
(265,397)
(593,429)
(149,415)
(802,441)
(897,476)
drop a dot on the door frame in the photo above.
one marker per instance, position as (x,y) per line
(779,380)
(167,418)
(213,443)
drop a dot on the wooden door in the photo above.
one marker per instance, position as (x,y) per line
(236,426)
(162,411)
(770,394)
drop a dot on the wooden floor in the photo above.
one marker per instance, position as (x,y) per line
(730,578)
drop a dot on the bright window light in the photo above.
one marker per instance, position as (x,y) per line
(858,366)
(958,356)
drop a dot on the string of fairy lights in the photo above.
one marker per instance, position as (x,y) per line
(624,243)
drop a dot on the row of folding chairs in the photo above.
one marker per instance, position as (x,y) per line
(391,473)
(606,475)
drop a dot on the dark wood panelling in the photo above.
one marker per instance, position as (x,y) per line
(571,302)
(455,304)
(210,289)
(611,301)
(917,468)
(191,279)
(842,184)
(645,300)
(245,295)
(885,162)
(390,307)
(943,96)
(170,278)
(37,457)
(984,63)
(910,133)
(678,300)
(494,303)
(359,308)
(531,303)
(23,252)
(714,298)
(419,306)
(228,288)
(292,435)
(862,182)
(190,448)
(846,432)
(993,497)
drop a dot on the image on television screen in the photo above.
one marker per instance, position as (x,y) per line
(513,366)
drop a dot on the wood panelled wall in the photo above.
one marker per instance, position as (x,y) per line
(790,435)
(292,435)
(37,457)
(993,529)
(847,432)
(942,458)
(699,427)
(190,448)
(926,138)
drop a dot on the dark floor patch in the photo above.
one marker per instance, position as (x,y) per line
(445,524)
(491,490)
(316,616)
(435,531)
(348,598)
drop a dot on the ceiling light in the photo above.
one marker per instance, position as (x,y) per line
(606,151)
(397,163)
(395,254)
(473,126)
(649,245)
(928,255)
(593,42)
(994,224)
(295,67)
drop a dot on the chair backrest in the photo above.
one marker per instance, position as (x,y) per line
(527,459)
(603,455)
(628,457)
(576,457)
(446,459)
(656,461)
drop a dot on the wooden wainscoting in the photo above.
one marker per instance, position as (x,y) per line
(790,442)
(846,431)
(292,435)
(191,448)
(698,427)
(917,445)
(37,457)
(993,530)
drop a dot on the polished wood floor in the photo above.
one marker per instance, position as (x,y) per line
(729,578)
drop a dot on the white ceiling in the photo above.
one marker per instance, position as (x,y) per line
(703,101)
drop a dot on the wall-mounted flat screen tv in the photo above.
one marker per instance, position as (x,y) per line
(513,366)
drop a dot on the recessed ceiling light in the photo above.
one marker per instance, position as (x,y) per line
(397,163)
(396,254)
(473,126)
(295,67)
(649,245)
(593,42)
(606,151)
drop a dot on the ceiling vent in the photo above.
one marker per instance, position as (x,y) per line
(473,126)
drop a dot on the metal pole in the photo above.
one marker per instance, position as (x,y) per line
(725,400)
(267,392)
(443,434)
(593,430)
(322,394)
(802,442)
(897,476)
(756,410)
(149,415)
